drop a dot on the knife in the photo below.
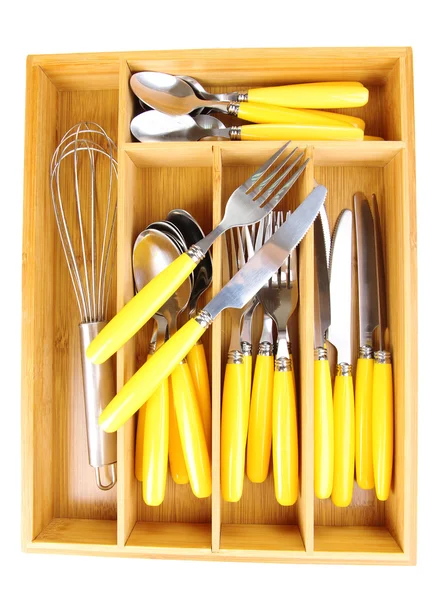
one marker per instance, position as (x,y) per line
(323,410)
(368,321)
(239,290)
(382,410)
(339,334)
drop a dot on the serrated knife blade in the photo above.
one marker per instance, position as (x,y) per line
(340,277)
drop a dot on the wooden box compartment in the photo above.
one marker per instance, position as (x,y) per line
(63,511)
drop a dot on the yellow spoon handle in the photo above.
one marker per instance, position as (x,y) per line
(155,446)
(323,430)
(233,432)
(146,380)
(363,423)
(260,420)
(197,362)
(265,113)
(344,439)
(285,438)
(140,309)
(312,95)
(140,431)
(191,431)
(287,131)
(383,425)
(177,464)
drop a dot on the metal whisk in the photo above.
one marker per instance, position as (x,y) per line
(83,177)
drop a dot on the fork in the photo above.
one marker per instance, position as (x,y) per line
(249,203)
(279,300)
(236,394)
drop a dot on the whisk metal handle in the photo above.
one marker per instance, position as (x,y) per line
(99,389)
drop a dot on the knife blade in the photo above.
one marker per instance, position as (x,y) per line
(368,321)
(383,406)
(339,335)
(241,288)
(323,408)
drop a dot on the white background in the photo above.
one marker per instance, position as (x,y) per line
(86,26)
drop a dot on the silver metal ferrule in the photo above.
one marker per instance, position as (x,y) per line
(344,369)
(204,319)
(196,254)
(233,109)
(265,349)
(320,353)
(382,357)
(235,133)
(365,352)
(246,348)
(235,357)
(242,97)
(283,364)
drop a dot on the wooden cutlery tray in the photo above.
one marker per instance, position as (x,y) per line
(63,510)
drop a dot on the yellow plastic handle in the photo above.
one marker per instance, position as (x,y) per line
(285,439)
(363,423)
(312,95)
(337,131)
(349,119)
(260,421)
(140,431)
(155,446)
(264,113)
(139,310)
(323,430)
(373,138)
(177,464)
(233,433)
(247,377)
(383,416)
(191,431)
(344,440)
(197,362)
(146,380)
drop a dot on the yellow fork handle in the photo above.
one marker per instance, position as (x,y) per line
(323,430)
(383,417)
(264,113)
(312,95)
(285,439)
(145,381)
(191,431)
(233,433)
(344,440)
(363,423)
(155,446)
(286,131)
(260,421)
(177,464)
(198,368)
(139,309)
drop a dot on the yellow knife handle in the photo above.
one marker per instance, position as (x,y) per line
(197,362)
(312,95)
(247,377)
(363,423)
(323,428)
(286,131)
(285,438)
(233,432)
(139,309)
(344,437)
(191,431)
(177,464)
(155,446)
(383,424)
(140,430)
(264,113)
(260,420)
(146,380)
(349,119)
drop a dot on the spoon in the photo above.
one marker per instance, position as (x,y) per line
(174,95)
(154,126)
(196,358)
(154,252)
